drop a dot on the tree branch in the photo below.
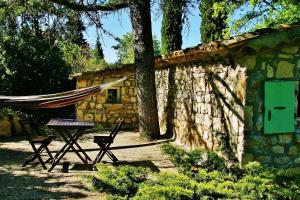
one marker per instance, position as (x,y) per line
(92,7)
(269,4)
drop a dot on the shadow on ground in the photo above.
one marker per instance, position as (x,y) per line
(19,183)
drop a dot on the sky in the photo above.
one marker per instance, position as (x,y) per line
(119,24)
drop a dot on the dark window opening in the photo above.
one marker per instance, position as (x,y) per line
(112,96)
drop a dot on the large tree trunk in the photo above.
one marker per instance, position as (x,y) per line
(144,68)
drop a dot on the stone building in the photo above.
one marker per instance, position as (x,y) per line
(106,107)
(238,96)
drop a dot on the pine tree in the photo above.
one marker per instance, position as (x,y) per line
(172,25)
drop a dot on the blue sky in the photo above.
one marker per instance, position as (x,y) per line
(119,24)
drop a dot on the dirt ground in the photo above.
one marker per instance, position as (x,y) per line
(33,182)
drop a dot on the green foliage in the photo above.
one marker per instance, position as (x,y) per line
(253,182)
(5,112)
(172,23)
(80,58)
(31,64)
(214,19)
(125,51)
(122,181)
(74,28)
(192,160)
(255,14)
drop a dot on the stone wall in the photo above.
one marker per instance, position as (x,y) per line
(270,61)
(214,98)
(203,104)
(95,107)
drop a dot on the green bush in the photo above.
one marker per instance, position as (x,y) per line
(166,186)
(188,161)
(121,180)
(210,181)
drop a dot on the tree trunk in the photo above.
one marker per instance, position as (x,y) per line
(144,68)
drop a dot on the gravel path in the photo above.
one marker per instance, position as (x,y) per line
(32,182)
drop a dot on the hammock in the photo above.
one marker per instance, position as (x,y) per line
(55,100)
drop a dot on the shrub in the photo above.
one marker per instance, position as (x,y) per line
(121,180)
(163,193)
(166,186)
(188,161)
(210,181)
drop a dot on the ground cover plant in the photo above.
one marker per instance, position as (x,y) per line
(202,175)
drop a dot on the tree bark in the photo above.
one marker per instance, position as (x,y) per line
(144,68)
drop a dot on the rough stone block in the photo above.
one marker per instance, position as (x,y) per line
(88,117)
(282,160)
(278,149)
(285,56)
(99,106)
(92,105)
(285,69)
(134,119)
(273,140)
(293,150)
(285,138)
(98,118)
(83,105)
(100,99)
(127,83)
(81,83)
(297,160)
(290,49)
(217,124)
(128,120)
(79,114)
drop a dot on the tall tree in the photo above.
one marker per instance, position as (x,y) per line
(214,20)
(125,50)
(144,68)
(99,49)
(143,57)
(75,28)
(172,22)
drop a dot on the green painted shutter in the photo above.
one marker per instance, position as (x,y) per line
(279,116)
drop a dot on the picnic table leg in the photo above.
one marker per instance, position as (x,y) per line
(72,140)
(69,145)
(78,146)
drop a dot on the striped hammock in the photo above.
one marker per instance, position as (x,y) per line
(55,100)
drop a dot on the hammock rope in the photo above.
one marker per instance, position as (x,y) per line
(56,100)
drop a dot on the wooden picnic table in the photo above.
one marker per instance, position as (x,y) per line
(70,130)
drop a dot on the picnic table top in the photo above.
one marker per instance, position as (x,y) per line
(71,123)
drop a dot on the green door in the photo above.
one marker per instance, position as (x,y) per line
(279,116)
